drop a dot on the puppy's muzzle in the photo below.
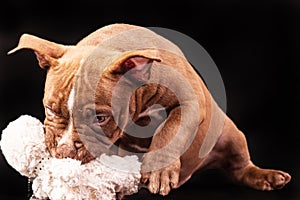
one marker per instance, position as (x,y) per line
(65,151)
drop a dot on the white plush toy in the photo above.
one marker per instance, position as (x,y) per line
(23,146)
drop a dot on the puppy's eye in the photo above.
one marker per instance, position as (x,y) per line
(101,120)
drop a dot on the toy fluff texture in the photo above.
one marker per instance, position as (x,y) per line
(23,146)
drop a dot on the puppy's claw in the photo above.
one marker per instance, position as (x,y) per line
(144,179)
(174,179)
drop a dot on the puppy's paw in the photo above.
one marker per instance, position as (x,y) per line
(163,180)
(265,179)
(273,179)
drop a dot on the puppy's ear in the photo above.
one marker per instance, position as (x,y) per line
(135,64)
(47,52)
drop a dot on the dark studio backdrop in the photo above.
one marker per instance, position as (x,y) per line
(255,45)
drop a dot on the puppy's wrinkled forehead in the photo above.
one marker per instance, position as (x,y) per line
(91,70)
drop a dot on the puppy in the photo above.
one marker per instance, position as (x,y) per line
(125,90)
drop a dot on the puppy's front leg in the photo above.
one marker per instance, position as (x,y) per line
(161,165)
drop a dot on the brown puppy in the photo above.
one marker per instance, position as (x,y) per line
(124,89)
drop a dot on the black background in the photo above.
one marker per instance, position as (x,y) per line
(255,45)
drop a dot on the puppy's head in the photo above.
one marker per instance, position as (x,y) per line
(79,121)
(61,63)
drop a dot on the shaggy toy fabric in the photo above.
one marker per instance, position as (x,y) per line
(23,146)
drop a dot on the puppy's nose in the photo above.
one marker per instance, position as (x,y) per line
(65,151)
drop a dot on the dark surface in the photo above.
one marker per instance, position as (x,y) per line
(255,45)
